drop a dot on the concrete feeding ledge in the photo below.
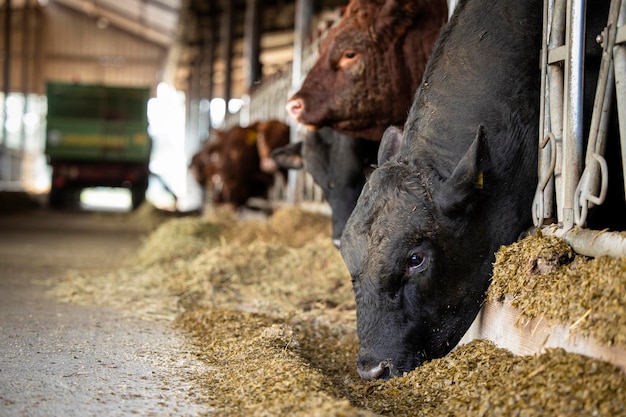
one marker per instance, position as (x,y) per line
(498,322)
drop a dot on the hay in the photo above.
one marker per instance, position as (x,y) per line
(543,277)
(270,311)
(479,379)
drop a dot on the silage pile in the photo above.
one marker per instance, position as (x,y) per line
(270,310)
(551,281)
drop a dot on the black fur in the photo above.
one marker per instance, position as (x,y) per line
(460,186)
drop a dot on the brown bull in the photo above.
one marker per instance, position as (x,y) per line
(230,166)
(370,66)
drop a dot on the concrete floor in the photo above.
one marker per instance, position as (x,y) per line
(66,360)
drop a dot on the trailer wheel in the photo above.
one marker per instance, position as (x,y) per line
(56,197)
(138,193)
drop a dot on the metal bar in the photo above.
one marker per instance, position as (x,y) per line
(572,113)
(555,89)
(543,201)
(619,61)
(209,55)
(620,37)
(252,44)
(5,157)
(589,191)
(557,54)
(588,242)
(302,28)
(26,30)
(227,43)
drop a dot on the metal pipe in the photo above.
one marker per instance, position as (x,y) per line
(25,67)
(227,43)
(543,202)
(556,101)
(619,60)
(5,157)
(589,191)
(572,114)
(594,243)
(252,44)
(302,29)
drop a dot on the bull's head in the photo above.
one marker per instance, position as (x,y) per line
(369,67)
(419,258)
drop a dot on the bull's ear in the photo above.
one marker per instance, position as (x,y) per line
(289,156)
(465,185)
(389,144)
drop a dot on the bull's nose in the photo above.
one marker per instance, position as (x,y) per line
(367,370)
(295,107)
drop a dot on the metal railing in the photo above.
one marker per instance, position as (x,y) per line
(572,181)
(268,102)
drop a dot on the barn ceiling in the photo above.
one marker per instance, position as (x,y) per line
(186,28)
(156,21)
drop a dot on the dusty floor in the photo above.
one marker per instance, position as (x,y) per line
(60,359)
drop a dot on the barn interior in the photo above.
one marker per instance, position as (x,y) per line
(269,306)
(200,59)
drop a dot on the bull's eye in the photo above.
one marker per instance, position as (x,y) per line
(347,58)
(417,263)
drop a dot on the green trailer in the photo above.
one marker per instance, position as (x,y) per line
(97,136)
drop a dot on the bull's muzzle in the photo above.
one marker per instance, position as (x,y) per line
(295,108)
(384,370)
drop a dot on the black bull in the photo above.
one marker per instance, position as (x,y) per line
(456,186)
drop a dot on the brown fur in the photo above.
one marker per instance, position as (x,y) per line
(360,96)
(229,167)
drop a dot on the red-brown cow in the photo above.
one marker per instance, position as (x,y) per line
(370,66)
(230,167)
(205,163)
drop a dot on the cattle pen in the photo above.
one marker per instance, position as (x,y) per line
(280,312)
(267,101)
(572,179)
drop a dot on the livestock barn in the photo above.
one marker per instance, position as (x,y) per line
(270,207)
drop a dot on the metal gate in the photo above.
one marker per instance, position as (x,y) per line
(571,180)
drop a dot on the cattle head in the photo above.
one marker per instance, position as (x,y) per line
(338,163)
(416,250)
(229,167)
(369,66)
(206,164)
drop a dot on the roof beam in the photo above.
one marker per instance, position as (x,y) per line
(124,23)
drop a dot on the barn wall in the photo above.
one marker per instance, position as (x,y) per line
(54,43)
(57,44)
(76,50)
(25,48)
